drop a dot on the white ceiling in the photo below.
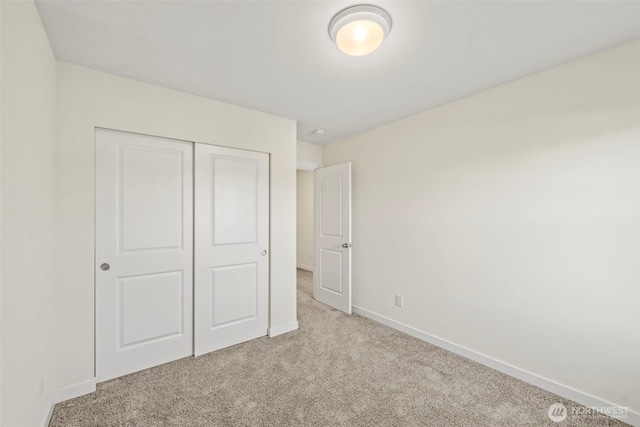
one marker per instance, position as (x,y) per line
(277,57)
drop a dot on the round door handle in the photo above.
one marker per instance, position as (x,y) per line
(346,245)
(104,266)
(264,252)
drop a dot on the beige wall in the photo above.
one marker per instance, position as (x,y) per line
(508,220)
(309,158)
(510,223)
(0,214)
(305,220)
(309,155)
(88,99)
(28,203)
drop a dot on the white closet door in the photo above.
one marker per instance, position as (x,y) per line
(144,255)
(231,269)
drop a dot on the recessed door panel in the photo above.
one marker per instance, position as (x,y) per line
(151,307)
(234,292)
(144,252)
(150,188)
(331,270)
(235,200)
(331,205)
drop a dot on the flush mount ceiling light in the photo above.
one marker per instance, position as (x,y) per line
(359,30)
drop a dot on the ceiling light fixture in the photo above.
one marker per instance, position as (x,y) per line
(359,30)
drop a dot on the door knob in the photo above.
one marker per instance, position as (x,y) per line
(264,252)
(346,245)
(104,266)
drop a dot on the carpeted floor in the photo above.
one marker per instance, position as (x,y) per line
(336,370)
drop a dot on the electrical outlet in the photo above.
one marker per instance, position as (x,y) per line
(41,384)
(399,301)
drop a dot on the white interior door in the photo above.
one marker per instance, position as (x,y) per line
(231,246)
(144,252)
(332,218)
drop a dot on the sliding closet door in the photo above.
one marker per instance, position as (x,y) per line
(231,269)
(144,252)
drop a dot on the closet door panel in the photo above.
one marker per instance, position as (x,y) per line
(144,252)
(231,246)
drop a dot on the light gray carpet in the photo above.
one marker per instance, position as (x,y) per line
(336,370)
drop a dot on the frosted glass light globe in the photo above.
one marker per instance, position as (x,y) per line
(360,30)
(359,38)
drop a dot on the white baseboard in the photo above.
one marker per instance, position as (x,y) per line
(629,416)
(305,267)
(67,393)
(49,414)
(282,329)
(74,391)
